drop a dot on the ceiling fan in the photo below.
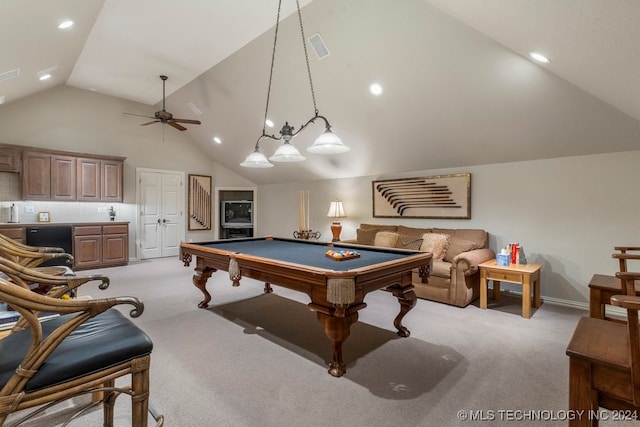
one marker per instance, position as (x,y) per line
(164,116)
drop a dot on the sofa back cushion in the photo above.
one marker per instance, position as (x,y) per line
(379,227)
(479,237)
(366,237)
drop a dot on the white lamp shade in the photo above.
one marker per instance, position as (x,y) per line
(328,143)
(287,153)
(336,210)
(256,160)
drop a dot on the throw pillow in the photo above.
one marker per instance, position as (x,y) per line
(366,237)
(435,243)
(411,243)
(411,231)
(386,239)
(457,246)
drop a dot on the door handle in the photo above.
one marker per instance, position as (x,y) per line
(158,220)
(164,221)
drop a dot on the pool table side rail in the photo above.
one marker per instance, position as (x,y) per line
(223,257)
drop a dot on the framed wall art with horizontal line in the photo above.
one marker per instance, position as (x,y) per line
(199,202)
(441,196)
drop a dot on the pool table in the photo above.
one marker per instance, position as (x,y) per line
(336,287)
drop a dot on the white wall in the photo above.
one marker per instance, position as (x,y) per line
(70,119)
(567,213)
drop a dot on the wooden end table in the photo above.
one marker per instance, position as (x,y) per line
(521,274)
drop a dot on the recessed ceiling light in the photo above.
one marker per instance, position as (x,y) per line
(269,123)
(539,57)
(44,77)
(65,24)
(375,89)
(217,140)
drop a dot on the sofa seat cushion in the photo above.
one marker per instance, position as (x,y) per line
(441,269)
(435,243)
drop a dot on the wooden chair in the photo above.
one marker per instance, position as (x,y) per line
(54,286)
(30,256)
(602,287)
(604,361)
(84,350)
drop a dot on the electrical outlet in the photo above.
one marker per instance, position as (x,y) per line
(29,209)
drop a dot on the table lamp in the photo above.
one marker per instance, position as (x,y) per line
(336,211)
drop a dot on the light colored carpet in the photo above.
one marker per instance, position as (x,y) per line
(252,359)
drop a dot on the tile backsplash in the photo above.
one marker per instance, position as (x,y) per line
(27,210)
(9,186)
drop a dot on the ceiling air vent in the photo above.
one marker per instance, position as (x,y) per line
(9,74)
(318,46)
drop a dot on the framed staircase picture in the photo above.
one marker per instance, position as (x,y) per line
(199,202)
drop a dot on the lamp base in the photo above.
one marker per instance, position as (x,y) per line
(336,228)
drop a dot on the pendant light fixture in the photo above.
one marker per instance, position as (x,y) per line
(327,143)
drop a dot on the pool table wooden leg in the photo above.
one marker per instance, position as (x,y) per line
(337,330)
(407,299)
(200,281)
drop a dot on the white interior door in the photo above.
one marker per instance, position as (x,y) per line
(161,216)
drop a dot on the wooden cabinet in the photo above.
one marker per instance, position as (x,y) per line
(111,174)
(88,179)
(100,245)
(49,175)
(14,232)
(99,180)
(115,244)
(36,175)
(87,246)
(63,178)
(9,159)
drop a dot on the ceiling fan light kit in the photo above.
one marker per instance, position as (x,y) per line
(163,116)
(327,143)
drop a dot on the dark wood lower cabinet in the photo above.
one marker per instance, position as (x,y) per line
(98,246)
(95,245)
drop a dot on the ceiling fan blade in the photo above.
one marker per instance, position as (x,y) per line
(176,125)
(138,115)
(155,121)
(193,122)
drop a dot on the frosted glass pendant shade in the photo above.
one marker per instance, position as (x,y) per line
(256,160)
(328,143)
(287,153)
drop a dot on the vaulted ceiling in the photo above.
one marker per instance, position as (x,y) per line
(459,88)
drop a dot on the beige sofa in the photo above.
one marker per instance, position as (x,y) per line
(455,278)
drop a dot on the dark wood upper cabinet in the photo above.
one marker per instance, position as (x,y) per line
(65,176)
(88,180)
(36,176)
(10,160)
(111,175)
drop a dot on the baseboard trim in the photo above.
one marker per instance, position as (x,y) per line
(611,310)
